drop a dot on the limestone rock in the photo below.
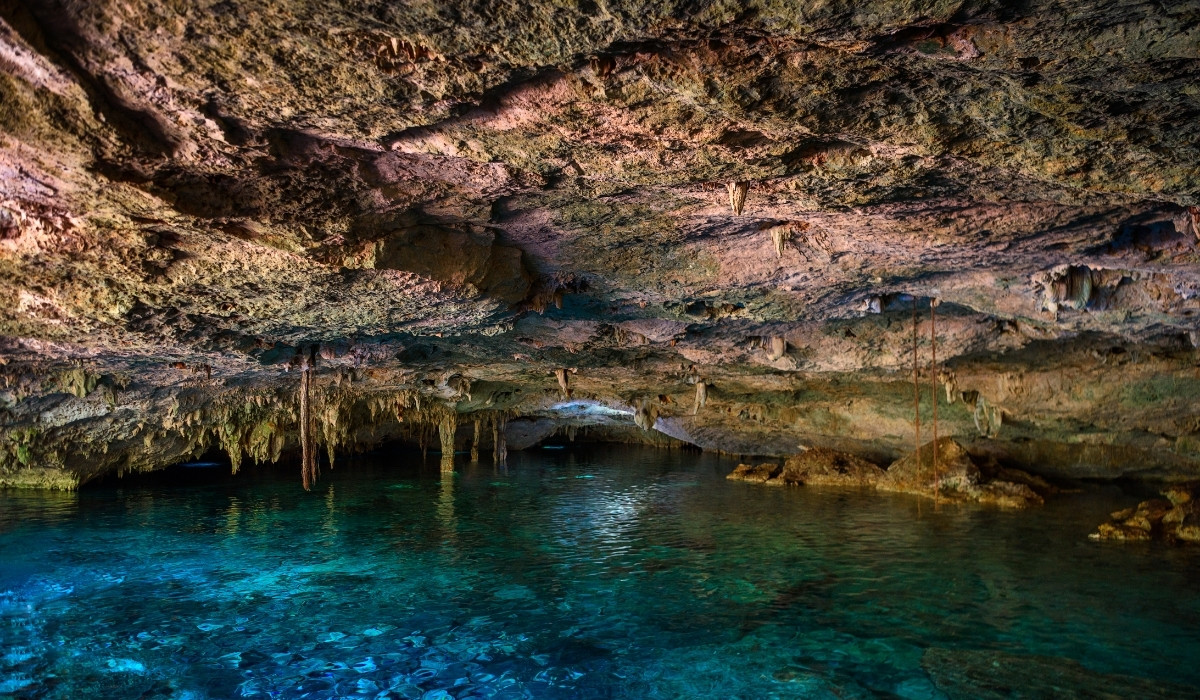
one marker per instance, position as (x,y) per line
(957,478)
(1175,518)
(1178,494)
(1188,529)
(497,190)
(1120,532)
(824,467)
(764,473)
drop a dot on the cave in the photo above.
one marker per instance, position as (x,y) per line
(365,348)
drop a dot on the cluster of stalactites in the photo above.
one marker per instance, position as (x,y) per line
(332,413)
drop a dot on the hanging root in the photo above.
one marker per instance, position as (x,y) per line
(933,304)
(499,443)
(701,396)
(737,195)
(308,448)
(916,390)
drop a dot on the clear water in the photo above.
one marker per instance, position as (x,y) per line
(607,573)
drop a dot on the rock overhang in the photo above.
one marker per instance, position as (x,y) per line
(191,199)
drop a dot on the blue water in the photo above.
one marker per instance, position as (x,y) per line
(606,573)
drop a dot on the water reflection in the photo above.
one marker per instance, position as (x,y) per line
(326,527)
(445,504)
(627,573)
(50,506)
(233,516)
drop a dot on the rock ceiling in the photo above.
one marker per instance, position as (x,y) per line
(452,200)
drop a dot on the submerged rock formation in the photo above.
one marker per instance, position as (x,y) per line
(726,221)
(952,477)
(993,675)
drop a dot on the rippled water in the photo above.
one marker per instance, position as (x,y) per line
(605,573)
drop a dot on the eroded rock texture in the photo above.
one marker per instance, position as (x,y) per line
(714,219)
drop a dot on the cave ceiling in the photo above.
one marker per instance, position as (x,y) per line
(642,194)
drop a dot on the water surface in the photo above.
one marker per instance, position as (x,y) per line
(574,574)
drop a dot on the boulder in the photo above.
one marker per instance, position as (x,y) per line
(1175,518)
(756,474)
(824,467)
(1179,494)
(1120,532)
(915,473)
(957,478)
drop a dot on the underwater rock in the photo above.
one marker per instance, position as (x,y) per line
(125,666)
(988,675)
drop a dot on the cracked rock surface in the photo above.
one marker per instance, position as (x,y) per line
(446,206)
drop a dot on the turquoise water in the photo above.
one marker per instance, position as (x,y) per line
(590,574)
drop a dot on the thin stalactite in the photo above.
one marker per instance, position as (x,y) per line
(563,382)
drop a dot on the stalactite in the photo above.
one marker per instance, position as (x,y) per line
(988,418)
(646,415)
(780,235)
(563,385)
(447,427)
(933,373)
(701,396)
(475,443)
(777,347)
(951,384)
(737,195)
